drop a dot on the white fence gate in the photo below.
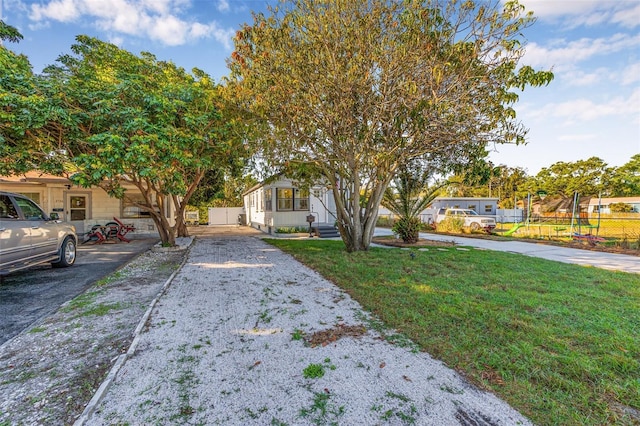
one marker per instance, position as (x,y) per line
(224,215)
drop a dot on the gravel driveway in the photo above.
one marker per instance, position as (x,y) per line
(245,334)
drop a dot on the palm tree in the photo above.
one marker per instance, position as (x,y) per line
(408,195)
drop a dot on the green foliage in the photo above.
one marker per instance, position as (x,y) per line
(135,119)
(408,229)
(621,208)
(588,177)
(355,90)
(454,225)
(625,181)
(313,371)
(9,33)
(292,229)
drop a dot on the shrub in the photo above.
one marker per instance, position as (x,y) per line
(292,230)
(451,224)
(408,229)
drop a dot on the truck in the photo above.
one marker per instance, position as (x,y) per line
(471,219)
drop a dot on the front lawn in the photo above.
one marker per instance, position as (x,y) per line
(559,342)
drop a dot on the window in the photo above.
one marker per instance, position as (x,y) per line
(7,210)
(131,207)
(472,207)
(285,199)
(301,201)
(488,208)
(289,199)
(268,200)
(29,209)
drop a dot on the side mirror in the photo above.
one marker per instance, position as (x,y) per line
(54,216)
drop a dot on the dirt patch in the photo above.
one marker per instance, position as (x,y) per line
(325,337)
(397,242)
(50,372)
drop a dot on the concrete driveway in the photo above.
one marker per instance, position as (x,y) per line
(29,295)
(598,259)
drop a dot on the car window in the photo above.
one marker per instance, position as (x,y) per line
(7,210)
(30,210)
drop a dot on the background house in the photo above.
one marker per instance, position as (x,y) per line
(279,203)
(482,206)
(603,205)
(83,207)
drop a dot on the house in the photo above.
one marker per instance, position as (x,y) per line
(280,203)
(603,205)
(82,207)
(481,205)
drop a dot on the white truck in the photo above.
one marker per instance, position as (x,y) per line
(471,219)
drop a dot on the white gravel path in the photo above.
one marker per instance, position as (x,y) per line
(222,347)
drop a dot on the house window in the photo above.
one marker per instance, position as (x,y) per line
(301,201)
(285,199)
(131,207)
(289,199)
(268,200)
(488,208)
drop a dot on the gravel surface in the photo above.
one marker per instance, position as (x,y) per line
(246,335)
(49,372)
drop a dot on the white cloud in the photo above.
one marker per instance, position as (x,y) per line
(577,137)
(59,10)
(629,18)
(562,53)
(631,74)
(161,20)
(580,78)
(223,5)
(585,110)
(575,13)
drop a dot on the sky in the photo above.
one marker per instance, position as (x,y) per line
(591,108)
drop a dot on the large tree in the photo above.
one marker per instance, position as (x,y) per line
(625,181)
(134,119)
(588,177)
(357,88)
(23,109)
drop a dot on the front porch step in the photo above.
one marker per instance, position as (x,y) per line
(326,231)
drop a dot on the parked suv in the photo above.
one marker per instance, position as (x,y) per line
(28,236)
(471,219)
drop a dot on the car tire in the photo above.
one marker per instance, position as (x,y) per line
(475,226)
(67,254)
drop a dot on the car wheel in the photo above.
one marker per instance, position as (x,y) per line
(67,254)
(475,226)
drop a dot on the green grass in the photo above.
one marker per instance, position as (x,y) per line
(559,342)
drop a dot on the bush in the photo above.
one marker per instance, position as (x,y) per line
(292,230)
(621,208)
(453,225)
(408,229)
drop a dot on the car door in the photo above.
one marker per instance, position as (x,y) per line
(43,241)
(15,234)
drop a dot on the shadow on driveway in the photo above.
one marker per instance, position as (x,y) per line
(29,295)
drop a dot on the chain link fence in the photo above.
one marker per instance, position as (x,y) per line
(622,229)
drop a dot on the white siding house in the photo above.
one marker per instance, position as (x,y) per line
(281,204)
(82,207)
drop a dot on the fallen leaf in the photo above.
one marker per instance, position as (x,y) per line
(406,378)
(382,365)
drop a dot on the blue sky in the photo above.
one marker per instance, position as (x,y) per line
(592,108)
